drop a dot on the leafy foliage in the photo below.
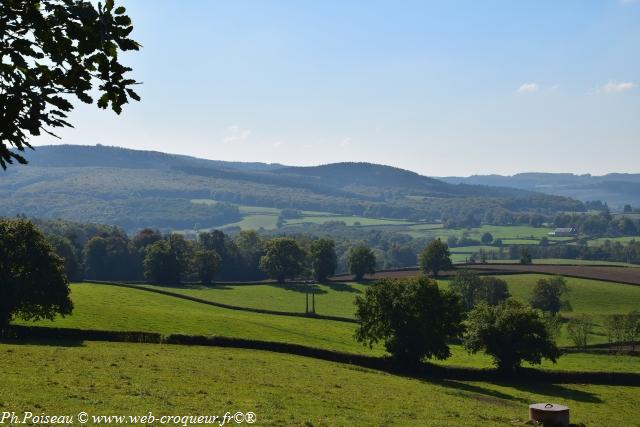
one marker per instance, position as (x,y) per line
(413,317)
(33,285)
(474,289)
(511,333)
(162,264)
(324,261)
(548,293)
(283,259)
(579,329)
(53,50)
(361,261)
(206,263)
(435,257)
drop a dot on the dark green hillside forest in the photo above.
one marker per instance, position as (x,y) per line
(135,189)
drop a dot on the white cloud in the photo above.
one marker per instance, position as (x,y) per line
(278,144)
(346,142)
(528,88)
(235,134)
(616,87)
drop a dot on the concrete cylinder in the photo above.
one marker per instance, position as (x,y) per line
(549,414)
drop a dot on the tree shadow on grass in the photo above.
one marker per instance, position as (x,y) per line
(194,286)
(47,342)
(297,287)
(554,390)
(550,391)
(341,287)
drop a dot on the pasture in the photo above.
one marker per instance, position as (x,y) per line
(133,379)
(114,308)
(121,309)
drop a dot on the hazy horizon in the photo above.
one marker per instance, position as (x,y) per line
(440,89)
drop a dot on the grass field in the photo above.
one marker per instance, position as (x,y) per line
(566,261)
(121,309)
(112,308)
(624,240)
(347,219)
(334,299)
(133,379)
(586,296)
(591,297)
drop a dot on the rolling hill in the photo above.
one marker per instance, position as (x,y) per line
(135,189)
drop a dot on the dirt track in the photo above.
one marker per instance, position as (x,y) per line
(626,275)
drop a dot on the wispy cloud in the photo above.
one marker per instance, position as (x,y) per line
(278,144)
(628,1)
(235,134)
(346,142)
(528,88)
(617,87)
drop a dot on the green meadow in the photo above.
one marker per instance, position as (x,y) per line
(114,308)
(121,309)
(133,379)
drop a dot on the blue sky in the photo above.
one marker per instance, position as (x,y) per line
(438,87)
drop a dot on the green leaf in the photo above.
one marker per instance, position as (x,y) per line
(120,10)
(103,102)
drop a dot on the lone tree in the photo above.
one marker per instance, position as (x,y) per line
(510,333)
(206,264)
(323,258)
(361,261)
(435,258)
(283,259)
(547,295)
(53,50)
(413,317)
(33,285)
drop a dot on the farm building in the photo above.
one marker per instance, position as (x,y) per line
(563,232)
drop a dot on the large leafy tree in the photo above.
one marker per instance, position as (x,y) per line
(413,317)
(162,264)
(323,258)
(112,257)
(283,259)
(206,264)
(361,261)
(511,333)
(435,257)
(51,52)
(548,295)
(33,285)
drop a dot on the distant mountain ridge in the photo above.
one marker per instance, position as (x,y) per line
(617,189)
(106,156)
(134,189)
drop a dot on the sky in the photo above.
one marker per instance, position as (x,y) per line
(438,87)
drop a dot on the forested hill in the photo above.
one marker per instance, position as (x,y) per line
(616,189)
(136,189)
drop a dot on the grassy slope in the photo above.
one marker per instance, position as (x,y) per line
(113,308)
(106,307)
(586,296)
(335,299)
(133,379)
